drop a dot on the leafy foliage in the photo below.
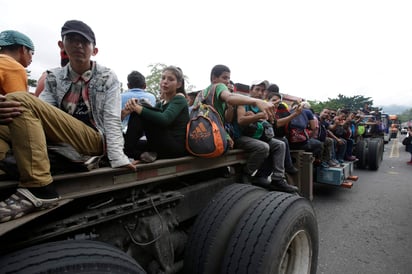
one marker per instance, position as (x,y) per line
(343,102)
(153,79)
(31,82)
(406,116)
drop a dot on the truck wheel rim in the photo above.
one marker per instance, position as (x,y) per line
(297,256)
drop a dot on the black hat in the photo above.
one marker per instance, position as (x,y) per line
(273,88)
(75,26)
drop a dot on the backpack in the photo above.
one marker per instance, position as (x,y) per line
(261,130)
(297,131)
(281,112)
(206,136)
(407,141)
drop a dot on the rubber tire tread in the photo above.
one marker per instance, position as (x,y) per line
(381,149)
(70,256)
(214,226)
(374,154)
(264,232)
(361,154)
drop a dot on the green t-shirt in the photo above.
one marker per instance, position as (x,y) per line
(172,116)
(219,105)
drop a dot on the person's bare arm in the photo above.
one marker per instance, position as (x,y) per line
(283,121)
(312,124)
(40,84)
(236,99)
(245,118)
(230,113)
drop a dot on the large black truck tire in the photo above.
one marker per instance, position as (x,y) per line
(375,150)
(278,234)
(214,227)
(70,256)
(361,153)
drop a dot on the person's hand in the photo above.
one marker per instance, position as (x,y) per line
(230,87)
(262,116)
(268,108)
(275,101)
(340,141)
(133,105)
(9,110)
(299,109)
(132,165)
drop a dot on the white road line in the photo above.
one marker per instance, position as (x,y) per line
(394,149)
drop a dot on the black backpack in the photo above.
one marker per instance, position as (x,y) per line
(206,136)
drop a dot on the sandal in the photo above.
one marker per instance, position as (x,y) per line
(21,203)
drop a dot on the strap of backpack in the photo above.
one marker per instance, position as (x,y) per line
(203,98)
(209,98)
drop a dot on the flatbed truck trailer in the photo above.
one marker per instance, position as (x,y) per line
(170,216)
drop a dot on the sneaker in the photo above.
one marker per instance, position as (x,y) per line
(332,163)
(292,170)
(351,158)
(148,157)
(283,186)
(23,202)
(259,181)
(324,164)
(336,162)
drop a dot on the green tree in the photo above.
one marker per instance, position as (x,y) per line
(153,79)
(406,116)
(31,82)
(342,102)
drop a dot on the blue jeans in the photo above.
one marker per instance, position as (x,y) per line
(312,145)
(349,147)
(288,157)
(341,149)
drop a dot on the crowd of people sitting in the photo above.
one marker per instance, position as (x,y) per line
(80,104)
(329,135)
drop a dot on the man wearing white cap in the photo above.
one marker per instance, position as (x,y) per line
(266,154)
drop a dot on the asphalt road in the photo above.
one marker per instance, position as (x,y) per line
(368,228)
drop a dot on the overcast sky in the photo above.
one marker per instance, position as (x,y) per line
(314,49)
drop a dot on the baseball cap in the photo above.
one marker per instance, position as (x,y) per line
(76,26)
(13,37)
(259,82)
(273,88)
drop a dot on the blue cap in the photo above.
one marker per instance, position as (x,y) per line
(13,37)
